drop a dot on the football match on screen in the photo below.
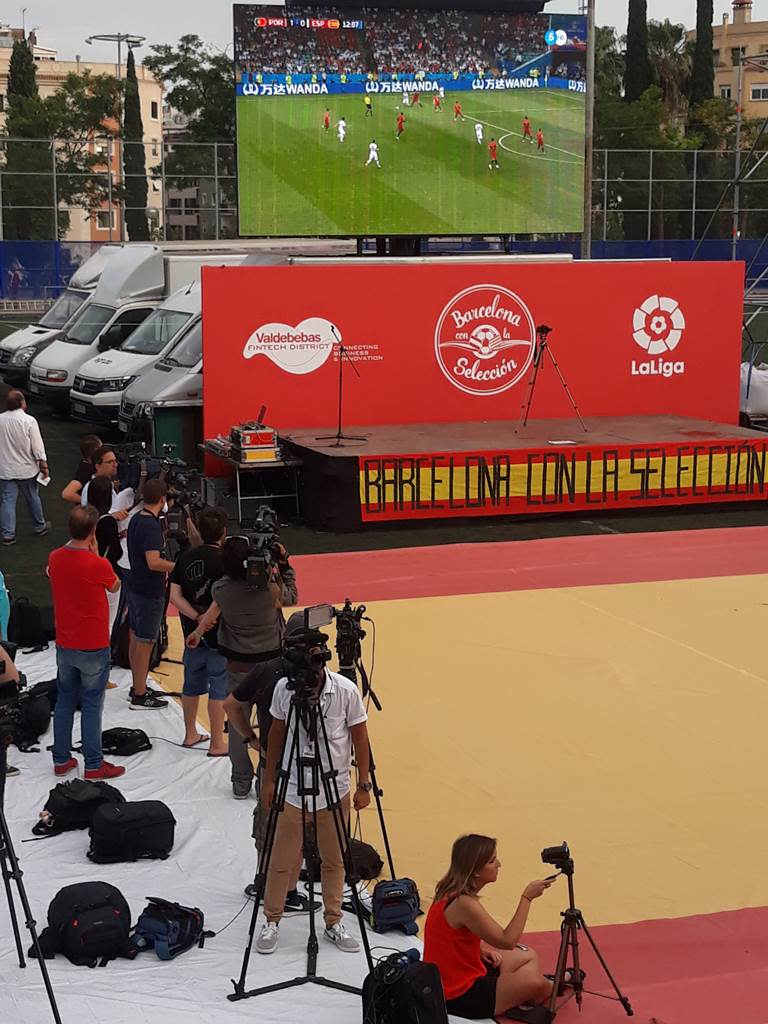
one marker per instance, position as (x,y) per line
(378,121)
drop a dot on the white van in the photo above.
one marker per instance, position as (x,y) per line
(133,284)
(18,349)
(99,384)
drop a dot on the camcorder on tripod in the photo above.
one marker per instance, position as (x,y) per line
(573,922)
(265,550)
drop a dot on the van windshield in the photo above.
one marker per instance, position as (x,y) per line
(89,324)
(63,309)
(154,334)
(189,351)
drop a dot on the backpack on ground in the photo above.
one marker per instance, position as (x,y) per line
(365,860)
(29,625)
(72,805)
(395,905)
(131,831)
(123,742)
(169,928)
(48,689)
(33,716)
(89,922)
(400,990)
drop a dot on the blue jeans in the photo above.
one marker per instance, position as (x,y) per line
(83,677)
(9,494)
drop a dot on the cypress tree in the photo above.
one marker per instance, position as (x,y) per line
(638,76)
(703,71)
(22,76)
(134,159)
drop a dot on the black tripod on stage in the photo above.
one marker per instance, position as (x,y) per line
(573,923)
(540,351)
(305,724)
(9,866)
(340,437)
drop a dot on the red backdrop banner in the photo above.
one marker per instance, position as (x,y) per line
(455,342)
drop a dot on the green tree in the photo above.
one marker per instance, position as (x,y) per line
(134,159)
(609,62)
(638,75)
(703,70)
(671,64)
(72,118)
(28,164)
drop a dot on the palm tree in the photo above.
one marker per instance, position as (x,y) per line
(671,63)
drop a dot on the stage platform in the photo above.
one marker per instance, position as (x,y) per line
(491,468)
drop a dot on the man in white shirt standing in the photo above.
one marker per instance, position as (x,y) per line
(342,710)
(22,457)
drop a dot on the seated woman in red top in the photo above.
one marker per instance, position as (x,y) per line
(483,968)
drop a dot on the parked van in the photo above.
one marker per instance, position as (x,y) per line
(133,284)
(99,384)
(18,349)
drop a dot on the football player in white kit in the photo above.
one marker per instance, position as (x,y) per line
(373,154)
(341,129)
(479,133)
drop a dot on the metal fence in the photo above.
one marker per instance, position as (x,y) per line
(637,195)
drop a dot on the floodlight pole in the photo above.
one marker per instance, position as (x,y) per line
(589,128)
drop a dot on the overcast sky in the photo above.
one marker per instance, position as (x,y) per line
(166,20)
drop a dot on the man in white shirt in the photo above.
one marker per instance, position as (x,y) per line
(22,458)
(344,715)
(373,153)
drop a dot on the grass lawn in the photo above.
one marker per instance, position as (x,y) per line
(297,179)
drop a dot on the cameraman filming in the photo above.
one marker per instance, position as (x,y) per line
(345,719)
(484,969)
(251,627)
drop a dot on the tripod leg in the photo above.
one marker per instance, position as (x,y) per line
(310,851)
(377,795)
(11,905)
(562,959)
(567,390)
(526,406)
(621,997)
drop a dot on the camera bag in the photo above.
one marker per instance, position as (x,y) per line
(89,922)
(169,928)
(401,992)
(366,861)
(131,831)
(33,716)
(29,625)
(72,805)
(395,905)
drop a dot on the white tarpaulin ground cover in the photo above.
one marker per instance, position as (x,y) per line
(212,860)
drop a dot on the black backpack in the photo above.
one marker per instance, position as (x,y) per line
(48,689)
(365,860)
(121,636)
(169,928)
(89,922)
(29,625)
(131,831)
(395,905)
(123,742)
(400,991)
(72,805)
(33,716)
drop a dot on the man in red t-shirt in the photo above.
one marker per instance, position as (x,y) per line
(492,152)
(400,124)
(80,580)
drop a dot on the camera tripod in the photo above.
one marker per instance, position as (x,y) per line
(349,633)
(541,349)
(9,867)
(340,437)
(305,723)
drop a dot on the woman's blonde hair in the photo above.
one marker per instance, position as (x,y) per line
(469,854)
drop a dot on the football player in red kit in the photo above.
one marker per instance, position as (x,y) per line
(400,124)
(437,103)
(457,114)
(492,152)
(327,119)
(527,130)
(539,139)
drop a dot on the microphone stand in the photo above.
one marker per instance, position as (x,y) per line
(339,437)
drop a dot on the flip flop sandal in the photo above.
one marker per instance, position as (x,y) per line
(189,746)
(225,754)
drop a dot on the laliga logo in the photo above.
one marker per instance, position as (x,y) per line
(658,326)
(484,340)
(300,349)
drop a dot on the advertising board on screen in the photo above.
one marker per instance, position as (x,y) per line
(382,121)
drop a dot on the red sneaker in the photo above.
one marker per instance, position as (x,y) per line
(66,768)
(106,771)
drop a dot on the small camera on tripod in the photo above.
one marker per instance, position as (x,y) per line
(264,548)
(559,857)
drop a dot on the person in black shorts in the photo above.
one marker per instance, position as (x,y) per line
(484,969)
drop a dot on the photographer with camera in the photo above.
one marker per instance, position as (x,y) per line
(484,969)
(341,707)
(205,667)
(250,628)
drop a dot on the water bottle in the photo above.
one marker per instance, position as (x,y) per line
(5,609)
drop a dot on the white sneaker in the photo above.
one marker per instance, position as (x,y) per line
(267,941)
(341,938)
